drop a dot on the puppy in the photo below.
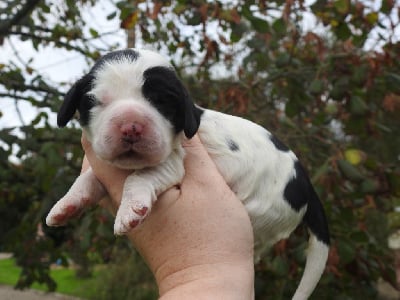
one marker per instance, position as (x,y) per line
(135,112)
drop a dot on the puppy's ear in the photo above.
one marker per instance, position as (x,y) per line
(192,117)
(166,92)
(72,100)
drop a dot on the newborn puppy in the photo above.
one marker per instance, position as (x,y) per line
(135,112)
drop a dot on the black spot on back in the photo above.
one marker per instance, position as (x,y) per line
(278,144)
(297,191)
(233,146)
(300,192)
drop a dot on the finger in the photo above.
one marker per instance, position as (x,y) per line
(85,164)
(167,198)
(111,177)
(199,167)
(87,147)
(196,157)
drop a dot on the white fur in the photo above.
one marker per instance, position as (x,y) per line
(258,173)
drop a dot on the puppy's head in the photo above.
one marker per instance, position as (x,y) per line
(132,106)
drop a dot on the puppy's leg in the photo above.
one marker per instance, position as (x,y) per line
(137,199)
(141,190)
(85,191)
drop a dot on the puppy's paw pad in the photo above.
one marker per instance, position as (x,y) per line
(56,218)
(120,228)
(141,211)
(134,223)
(126,222)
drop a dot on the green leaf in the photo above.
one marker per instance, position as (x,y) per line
(359,237)
(346,251)
(280,266)
(46,8)
(340,88)
(394,181)
(369,186)
(343,31)
(349,171)
(94,33)
(321,171)
(282,59)
(316,87)
(342,6)
(394,220)
(387,7)
(195,19)
(279,26)
(237,31)
(331,108)
(393,81)
(372,18)
(292,108)
(360,75)
(358,106)
(112,15)
(260,25)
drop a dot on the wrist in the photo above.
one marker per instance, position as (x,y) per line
(210,281)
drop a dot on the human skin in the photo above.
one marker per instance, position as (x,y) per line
(197,239)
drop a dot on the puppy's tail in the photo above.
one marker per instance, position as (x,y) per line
(318,248)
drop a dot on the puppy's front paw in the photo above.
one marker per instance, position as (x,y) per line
(130,214)
(64,211)
(86,191)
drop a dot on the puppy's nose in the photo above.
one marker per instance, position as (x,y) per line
(131,128)
(131,132)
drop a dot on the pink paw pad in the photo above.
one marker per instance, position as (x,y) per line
(69,211)
(134,223)
(141,211)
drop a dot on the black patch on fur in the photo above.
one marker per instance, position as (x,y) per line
(119,55)
(300,192)
(233,146)
(77,98)
(167,94)
(278,144)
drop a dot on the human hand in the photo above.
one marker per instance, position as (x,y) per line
(197,239)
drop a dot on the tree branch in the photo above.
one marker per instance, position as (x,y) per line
(18,16)
(50,40)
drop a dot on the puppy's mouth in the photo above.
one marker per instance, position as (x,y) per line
(128,141)
(133,154)
(129,154)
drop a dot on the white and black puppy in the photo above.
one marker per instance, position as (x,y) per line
(135,112)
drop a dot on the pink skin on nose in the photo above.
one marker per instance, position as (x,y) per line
(131,132)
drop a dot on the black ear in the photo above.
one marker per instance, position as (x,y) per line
(166,92)
(69,106)
(192,117)
(72,100)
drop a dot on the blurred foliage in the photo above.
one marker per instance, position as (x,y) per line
(330,91)
(126,277)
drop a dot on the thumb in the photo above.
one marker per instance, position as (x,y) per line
(199,167)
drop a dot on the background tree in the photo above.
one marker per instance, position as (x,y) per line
(330,91)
